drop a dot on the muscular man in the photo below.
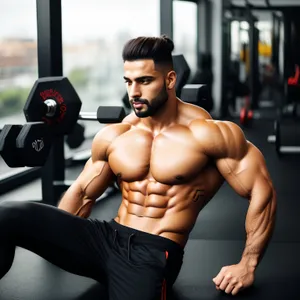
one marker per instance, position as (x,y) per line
(169,159)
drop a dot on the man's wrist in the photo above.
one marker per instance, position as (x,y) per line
(250,261)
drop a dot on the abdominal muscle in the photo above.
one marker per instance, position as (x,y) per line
(167,211)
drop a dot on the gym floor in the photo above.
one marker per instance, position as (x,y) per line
(217,240)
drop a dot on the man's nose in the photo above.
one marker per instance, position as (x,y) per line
(134,91)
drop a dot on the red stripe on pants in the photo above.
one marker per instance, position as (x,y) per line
(164,284)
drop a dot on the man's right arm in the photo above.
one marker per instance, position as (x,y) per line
(93,180)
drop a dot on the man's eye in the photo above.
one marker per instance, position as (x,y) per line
(145,81)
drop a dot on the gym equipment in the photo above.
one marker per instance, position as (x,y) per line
(105,114)
(52,109)
(204,72)
(246,114)
(197,94)
(125,101)
(253,73)
(49,64)
(183,72)
(27,145)
(34,144)
(286,136)
(10,154)
(75,138)
(54,101)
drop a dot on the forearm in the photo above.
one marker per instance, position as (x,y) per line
(75,202)
(260,222)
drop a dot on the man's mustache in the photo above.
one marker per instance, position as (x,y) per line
(139,100)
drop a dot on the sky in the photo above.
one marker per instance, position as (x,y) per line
(92,19)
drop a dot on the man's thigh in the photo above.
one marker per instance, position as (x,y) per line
(71,243)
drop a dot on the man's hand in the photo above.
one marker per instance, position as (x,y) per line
(234,278)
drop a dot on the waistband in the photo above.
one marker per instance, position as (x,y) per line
(147,238)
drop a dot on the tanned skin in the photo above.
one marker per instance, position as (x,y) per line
(170,165)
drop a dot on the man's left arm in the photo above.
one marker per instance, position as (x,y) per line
(244,168)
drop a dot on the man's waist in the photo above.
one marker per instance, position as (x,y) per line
(145,238)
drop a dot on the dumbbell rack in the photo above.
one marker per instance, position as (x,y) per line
(50,65)
(52,110)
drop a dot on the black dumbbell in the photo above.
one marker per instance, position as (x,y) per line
(54,100)
(8,150)
(52,109)
(28,145)
(76,137)
(105,114)
(34,141)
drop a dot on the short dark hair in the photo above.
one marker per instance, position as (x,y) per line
(157,48)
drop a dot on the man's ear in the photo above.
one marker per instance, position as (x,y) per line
(171,80)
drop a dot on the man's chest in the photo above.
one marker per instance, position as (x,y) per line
(170,157)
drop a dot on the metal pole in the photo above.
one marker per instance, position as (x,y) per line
(166,17)
(50,63)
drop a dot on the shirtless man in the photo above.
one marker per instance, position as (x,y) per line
(169,159)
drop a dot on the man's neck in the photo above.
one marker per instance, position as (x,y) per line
(166,117)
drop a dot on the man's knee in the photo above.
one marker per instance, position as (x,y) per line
(12,211)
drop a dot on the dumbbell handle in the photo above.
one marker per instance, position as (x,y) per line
(50,106)
(104,114)
(88,116)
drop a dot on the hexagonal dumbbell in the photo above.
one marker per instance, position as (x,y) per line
(34,143)
(54,101)
(8,149)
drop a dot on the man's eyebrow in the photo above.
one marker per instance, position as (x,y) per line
(139,78)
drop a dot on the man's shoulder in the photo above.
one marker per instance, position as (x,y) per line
(111,131)
(218,130)
(105,137)
(213,124)
(190,112)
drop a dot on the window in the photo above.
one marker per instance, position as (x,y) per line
(185,31)
(93,32)
(18,60)
(93,37)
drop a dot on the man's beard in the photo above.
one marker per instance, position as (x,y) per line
(150,109)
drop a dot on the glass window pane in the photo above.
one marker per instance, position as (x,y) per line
(235,40)
(185,31)
(93,38)
(18,60)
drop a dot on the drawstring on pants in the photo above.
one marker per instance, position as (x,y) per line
(128,242)
(128,245)
(115,235)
